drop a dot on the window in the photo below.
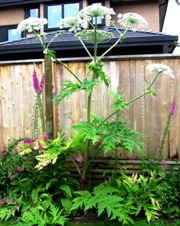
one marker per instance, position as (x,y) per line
(55,12)
(32,12)
(100,21)
(13,34)
(9,33)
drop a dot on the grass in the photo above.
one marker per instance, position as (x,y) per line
(109,223)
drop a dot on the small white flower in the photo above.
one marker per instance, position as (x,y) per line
(32,23)
(160,68)
(95,10)
(74,23)
(132,20)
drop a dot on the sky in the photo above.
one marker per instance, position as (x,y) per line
(172,21)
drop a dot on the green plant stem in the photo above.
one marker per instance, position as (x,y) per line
(86,152)
(54,57)
(76,166)
(164,135)
(119,40)
(41,111)
(147,91)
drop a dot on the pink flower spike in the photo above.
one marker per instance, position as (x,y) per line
(30,141)
(42,83)
(80,159)
(19,169)
(45,137)
(3,151)
(40,147)
(36,84)
(173,108)
(10,176)
(32,148)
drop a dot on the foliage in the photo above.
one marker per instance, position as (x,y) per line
(124,197)
(170,192)
(42,217)
(26,187)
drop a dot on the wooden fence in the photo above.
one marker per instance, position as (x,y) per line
(148,115)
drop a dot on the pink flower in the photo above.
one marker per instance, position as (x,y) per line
(173,108)
(36,84)
(30,141)
(158,146)
(97,144)
(10,176)
(42,83)
(40,147)
(80,159)
(32,148)
(45,137)
(3,151)
(2,203)
(19,169)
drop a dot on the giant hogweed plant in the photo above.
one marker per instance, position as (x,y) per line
(96,134)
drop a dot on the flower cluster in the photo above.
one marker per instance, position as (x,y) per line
(31,24)
(132,20)
(160,68)
(95,10)
(74,23)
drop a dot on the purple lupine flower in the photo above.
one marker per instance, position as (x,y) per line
(173,108)
(10,176)
(80,159)
(19,169)
(45,137)
(40,147)
(36,84)
(3,151)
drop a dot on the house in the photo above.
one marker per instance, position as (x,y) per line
(20,46)
(12,12)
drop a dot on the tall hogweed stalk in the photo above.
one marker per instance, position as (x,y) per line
(96,134)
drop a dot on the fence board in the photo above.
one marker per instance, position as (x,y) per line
(148,115)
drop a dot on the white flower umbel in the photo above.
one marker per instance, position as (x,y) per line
(73,23)
(95,10)
(160,68)
(32,23)
(132,20)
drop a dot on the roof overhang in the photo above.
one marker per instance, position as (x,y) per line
(6,3)
(67,45)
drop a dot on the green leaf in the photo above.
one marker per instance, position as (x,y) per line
(87,130)
(67,204)
(68,89)
(66,189)
(88,85)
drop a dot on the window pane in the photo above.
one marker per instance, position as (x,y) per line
(13,34)
(34,13)
(99,19)
(71,9)
(54,15)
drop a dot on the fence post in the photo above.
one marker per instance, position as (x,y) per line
(49,97)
